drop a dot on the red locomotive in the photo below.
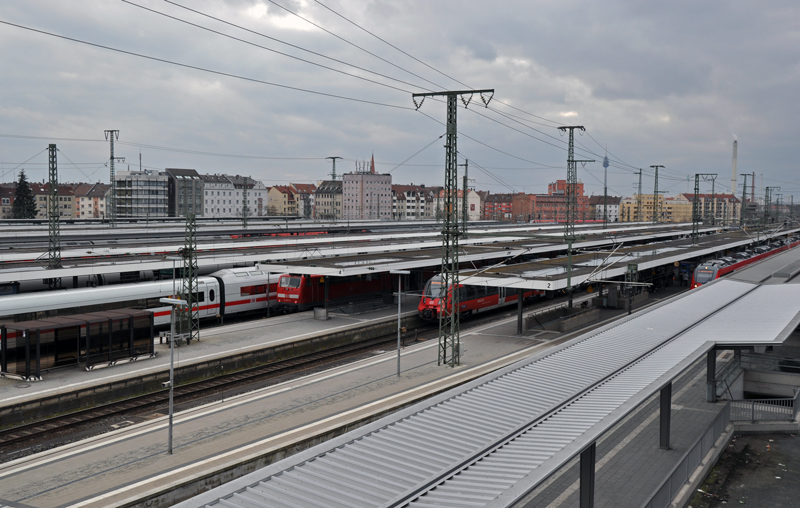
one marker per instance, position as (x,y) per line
(302,292)
(472,299)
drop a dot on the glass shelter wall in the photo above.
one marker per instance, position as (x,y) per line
(30,347)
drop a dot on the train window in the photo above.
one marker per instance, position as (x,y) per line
(703,276)
(240,274)
(290,282)
(199,297)
(211,295)
(434,289)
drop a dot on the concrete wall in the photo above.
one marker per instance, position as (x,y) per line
(775,384)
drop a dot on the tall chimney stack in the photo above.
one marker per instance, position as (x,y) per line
(733,175)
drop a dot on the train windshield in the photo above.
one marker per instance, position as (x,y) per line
(434,288)
(290,282)
(702,276)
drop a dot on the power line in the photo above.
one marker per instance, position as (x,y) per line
(350,43)
(269,49)
(204,69)
(417,152)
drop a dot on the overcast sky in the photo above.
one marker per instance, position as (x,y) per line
(667,83)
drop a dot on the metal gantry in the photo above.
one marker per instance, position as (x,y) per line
(696,206)
(571,199)
(639,216)
(605,191)
(333,170)
(190,316)
(744,197)
(449,334)
(768,202)
(111,206)
(54,245)
(464,201)
(656,208)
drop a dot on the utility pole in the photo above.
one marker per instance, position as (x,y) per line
(449,334)
(713,201)
(744,197)
(54,246)
(605,190)
(111,206)
(639,216)
(464,212)
(696,207)
(655,194)
(768,202)
(572,200)
(333,171)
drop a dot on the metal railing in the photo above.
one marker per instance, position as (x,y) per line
(663,495)
(765,410)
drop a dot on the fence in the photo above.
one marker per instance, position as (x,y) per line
(663,495)
(764,410)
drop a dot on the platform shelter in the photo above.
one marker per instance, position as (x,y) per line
(28,348)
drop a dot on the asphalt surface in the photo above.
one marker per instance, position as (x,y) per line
(760,470)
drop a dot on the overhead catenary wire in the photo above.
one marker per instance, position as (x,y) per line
(274,50)
(204,69)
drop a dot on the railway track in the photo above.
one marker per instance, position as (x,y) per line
(194,391)
(61,427)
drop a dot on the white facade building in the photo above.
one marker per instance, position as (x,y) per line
(223,196)
(366,196)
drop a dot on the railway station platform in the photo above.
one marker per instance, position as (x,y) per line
(216,343)
(504,439)
(253,429)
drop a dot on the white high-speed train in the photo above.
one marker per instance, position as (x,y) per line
(223,293)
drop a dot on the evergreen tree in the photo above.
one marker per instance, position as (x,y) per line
(24,202)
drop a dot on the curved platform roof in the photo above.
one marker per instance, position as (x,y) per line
(490,442)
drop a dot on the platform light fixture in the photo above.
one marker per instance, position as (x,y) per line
(172,302)
(400,274)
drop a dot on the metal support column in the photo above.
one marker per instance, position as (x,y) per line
(449,335)
(111,206)
(711,376)
(639,215)
(587,467)
(571,200)
(605,191)
(665,416)
(520,293)
(54,247)
(656,208)
(190,317)
(464,211)
(744,198)
(245,211)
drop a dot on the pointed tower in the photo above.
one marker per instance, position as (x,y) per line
(372,165)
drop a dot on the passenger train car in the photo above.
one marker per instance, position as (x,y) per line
(472,299)
(224,293)
(302,292)
(714,269)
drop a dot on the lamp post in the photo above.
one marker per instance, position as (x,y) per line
(181,303)
(400,274)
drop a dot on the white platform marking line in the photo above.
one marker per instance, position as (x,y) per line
(124,375)
(295,431)
(160,423)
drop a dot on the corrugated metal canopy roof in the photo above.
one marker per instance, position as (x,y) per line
(491,441)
